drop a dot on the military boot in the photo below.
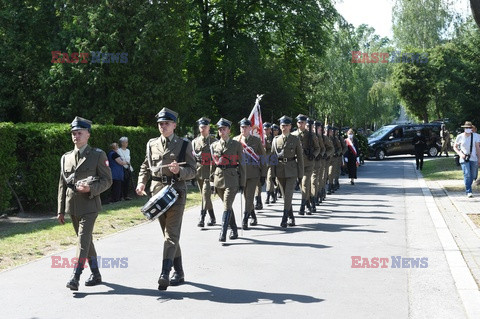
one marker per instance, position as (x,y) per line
(95,277)
(267,201)
(245,220)
(201,222)
(329,189)
(291,218)
(258,202)
(233,226)
(213,221)
(302,208)
(74,280)
(178,276)
(283,223)
(313,209)
(164,279)
(324,194)
(254,218)
(225,221)
(279,193)
(274,197)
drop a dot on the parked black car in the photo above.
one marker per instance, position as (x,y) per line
(397,140)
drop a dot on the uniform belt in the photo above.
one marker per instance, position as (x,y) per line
(286,159)
(164,179)
(227,166)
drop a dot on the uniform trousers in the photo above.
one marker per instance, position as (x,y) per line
(83,226)
(206,191)
(287,187)
(171,224)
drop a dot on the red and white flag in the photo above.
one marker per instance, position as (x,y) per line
(256,118)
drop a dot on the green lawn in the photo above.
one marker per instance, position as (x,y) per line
(441,168)
(21,243)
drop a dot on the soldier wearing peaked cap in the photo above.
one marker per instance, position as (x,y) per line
(201,147)
(311,149)
(329,151)
(289,153)
(270,183)
(256,168)
(161,166)
(228,175)
(276,193)
(334,160)
(318,166)
(84,175)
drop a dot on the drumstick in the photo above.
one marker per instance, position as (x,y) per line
(166,165)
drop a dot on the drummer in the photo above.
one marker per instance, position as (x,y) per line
(162,165)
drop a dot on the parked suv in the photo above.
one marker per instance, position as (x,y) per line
(397,140)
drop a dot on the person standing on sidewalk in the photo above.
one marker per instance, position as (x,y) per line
(201,148)
(84,175)
(228,175)
(351,156)
(467,146)
(124,153)
(445,136)
(420,143)
(161,166)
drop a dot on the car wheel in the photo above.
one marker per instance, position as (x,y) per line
(380,154)
(432,151)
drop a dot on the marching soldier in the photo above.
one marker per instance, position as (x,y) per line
(329,151)
(317,175)
(201,149)
(256,170)
(84,175)
(228,175)
(343,150)
(333,159)
(270,188)
(446,144)
(311,149)
(277,192)
(289,168)
(161,165)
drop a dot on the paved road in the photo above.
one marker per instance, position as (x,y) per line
(305,271)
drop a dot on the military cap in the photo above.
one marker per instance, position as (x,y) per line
(310,121)
(204,121)
(285,120)
(166,115)
(318,123)
(224,123)
(301,118)
(245,122)
(328,127)
(79,123)
(267,125)
(275,127)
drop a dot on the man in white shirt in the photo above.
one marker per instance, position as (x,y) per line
(467,146)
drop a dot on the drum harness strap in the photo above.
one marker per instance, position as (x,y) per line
(166,179)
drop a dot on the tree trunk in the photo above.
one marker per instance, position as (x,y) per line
(475,5)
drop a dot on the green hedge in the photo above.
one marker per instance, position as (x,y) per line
(40,146)
(8,162)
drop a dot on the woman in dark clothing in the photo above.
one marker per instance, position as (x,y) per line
(420,144)
(352,156)
(116,166)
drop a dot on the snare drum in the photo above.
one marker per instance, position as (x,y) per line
(160,203)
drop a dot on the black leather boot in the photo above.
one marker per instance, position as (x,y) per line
(291,218)
(95,277)
(245,220)
(74,280)
(283,223)
(267,201)
(225,222)
(302,208)
(213,221)
(274,197)
(258,202)
(324,194)
(329,189)
(233,226)
(313,209)
(178,276)
(164,279)
(201,222)
(254,218)
(279,193)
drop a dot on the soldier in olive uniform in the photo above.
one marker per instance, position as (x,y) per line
(317,168)
(277,193)
(228,175)
(340,162)
(256,168)
(333,161)
(289,152)
(161,165)
(270,182)
(329,151)
(84,175)
(311,149)
(201,148)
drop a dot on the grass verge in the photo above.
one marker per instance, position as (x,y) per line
(21,243)
(475,218)
(442,168)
